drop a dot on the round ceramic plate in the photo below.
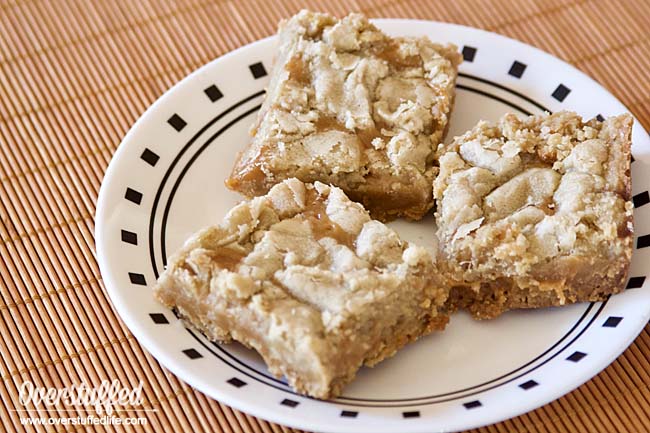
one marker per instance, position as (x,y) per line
(166,181)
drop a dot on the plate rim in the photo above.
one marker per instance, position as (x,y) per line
(266,412)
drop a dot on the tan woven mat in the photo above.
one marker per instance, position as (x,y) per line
(75,75)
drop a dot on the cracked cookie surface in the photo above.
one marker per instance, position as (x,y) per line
(349,106)
(535,212)
(306,278)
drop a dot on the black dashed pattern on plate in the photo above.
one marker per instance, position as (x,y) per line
(133,196)
(411,414)
(635,282)
(159,318)
(349,414)
(643,241)
(472,404)
(192,353)
(177,122)
(517,69)
(469,53)
(561,92)
(612,322)
(641,199)
(213,93)
(576,356)
(289,403)
(258,70)
(137,279)
(528,385)
(237,383)
(129,237)
(149,157)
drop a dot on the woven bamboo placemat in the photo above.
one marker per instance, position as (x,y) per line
(75,75)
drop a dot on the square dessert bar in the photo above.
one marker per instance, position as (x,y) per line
(349,106)
(535,212)
(306,278)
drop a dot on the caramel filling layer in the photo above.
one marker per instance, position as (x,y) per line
(389,51)
(321,225)
(298,70)
(227,258)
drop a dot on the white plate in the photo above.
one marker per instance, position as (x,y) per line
(166,181)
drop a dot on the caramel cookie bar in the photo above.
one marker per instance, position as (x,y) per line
(306,278)
(535,212)
(350,106)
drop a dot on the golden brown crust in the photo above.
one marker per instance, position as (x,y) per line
(535,212)
(592,282)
